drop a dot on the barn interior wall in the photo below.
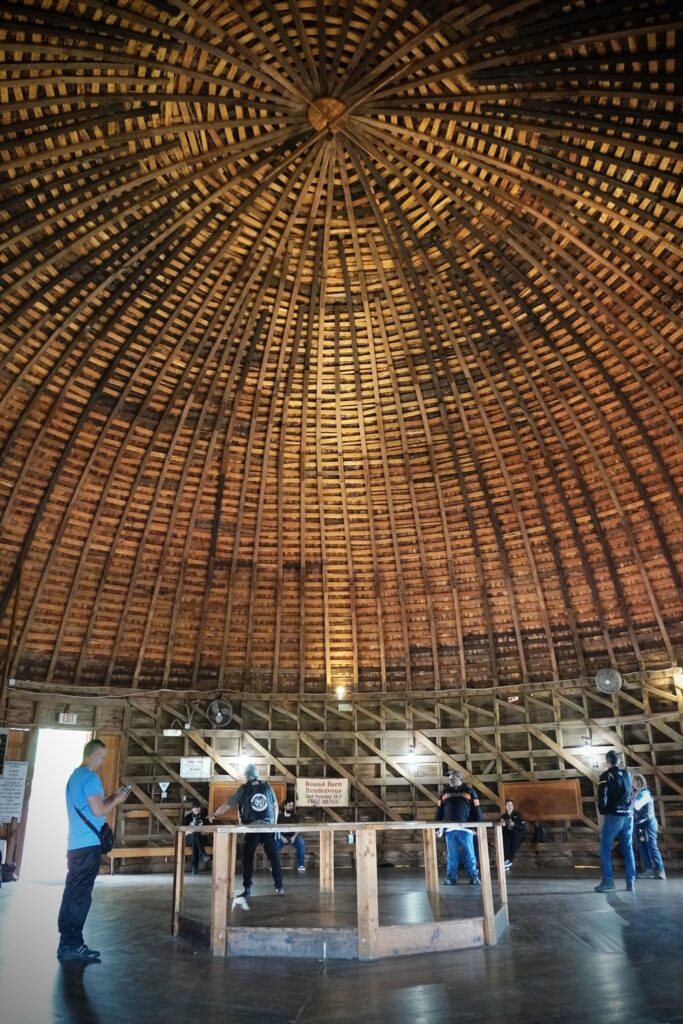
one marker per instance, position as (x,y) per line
(395,750)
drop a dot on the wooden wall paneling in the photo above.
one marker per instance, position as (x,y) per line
(545,801)
(539,739)
(333,763)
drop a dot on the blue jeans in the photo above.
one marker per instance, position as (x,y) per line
(615,826)
(650,856)
(460,841)
(300,847)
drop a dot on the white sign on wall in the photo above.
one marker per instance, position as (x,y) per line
(322,792)
(195,768)
(12,785)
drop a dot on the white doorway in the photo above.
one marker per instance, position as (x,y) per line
(58,752)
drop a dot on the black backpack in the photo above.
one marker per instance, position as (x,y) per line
(540,834)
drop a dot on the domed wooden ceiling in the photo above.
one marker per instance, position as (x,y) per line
(340,342)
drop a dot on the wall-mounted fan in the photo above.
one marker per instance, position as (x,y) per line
(219,712)
(608,680)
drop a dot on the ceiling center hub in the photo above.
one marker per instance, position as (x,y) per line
(327,112)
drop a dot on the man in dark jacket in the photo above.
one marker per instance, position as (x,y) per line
(458,804)
(295,839)
(197,841)
(513,832)
(614,804)
(256,803)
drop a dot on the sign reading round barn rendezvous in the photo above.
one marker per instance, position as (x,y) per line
(322,792)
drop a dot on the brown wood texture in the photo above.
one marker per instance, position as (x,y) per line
(545,801)
(340,345)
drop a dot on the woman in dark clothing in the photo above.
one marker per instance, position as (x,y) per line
(197,841)
(513,832)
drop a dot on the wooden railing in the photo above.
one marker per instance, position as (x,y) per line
(373,939)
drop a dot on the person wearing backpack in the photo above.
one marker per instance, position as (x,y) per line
(614,804)
(256,803)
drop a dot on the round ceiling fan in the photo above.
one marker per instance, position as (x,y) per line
(219,712)
(608,680)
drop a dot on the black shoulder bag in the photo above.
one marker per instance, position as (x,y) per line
(104,834)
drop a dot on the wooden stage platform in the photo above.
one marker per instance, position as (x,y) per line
(308,923)
(365,914)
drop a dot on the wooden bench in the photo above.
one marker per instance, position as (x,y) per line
(145,852)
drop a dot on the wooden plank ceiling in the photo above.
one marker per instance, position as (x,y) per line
(340,342)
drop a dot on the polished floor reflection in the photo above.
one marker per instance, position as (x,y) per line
(570,955)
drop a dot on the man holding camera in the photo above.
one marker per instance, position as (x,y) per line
(87,808)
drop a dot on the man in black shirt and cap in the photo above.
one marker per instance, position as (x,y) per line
(256,803)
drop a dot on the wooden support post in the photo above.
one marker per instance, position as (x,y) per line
(500,866)
(326,860)
(366,894)
(232,858)
(430,859)
(490,936)
(218,943)
(178,879)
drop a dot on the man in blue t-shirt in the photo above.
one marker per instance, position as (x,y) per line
(84,793)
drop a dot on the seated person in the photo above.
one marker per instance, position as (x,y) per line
(286,838)
(513,832)
(197,841)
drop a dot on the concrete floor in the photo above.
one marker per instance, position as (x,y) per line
(570,956)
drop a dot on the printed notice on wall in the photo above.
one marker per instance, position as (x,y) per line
(12,785)
(322,792)
(195,768)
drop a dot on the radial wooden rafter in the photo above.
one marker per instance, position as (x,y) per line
(340,342)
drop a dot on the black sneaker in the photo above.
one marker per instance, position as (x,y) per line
(245,892)
(280,891)
(604,887)
(450,880)
(81,954)
(475,880)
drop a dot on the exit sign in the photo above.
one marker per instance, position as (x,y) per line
(68,717)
